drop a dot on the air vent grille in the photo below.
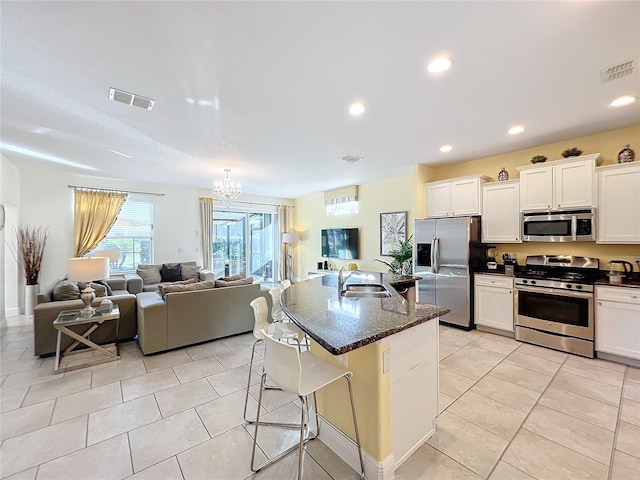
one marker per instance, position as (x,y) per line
(351,158)
(617,71)
(130,99)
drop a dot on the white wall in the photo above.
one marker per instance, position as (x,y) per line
(10,278)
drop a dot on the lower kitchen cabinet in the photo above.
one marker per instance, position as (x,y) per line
(494,301)
(618,321)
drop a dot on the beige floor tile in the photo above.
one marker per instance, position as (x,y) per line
(530,362)
(578,406)
(232,380)
(108,460)
(453,384)
(182,397)
(631,391)
(161,361)
(542,352)
(25,420)
(167,470)
(122,418)
(42,445)
(238,342)
(24,475)
(502,338)
(599,362)
(427,463)
(543,459)
(472,446)
(507,393)
(480,355)
(589,440)
(587,387)
(625,467)
(521,376)
(504,471)
(486,413)
(633,375)
(58,388)
(455,339)
(226,413)
(85,402)
(274,440)
(115,372)
(165,438)
(628,439)
(272,398)
(332,463)
(467,368)
(10,355)
(191,371)
(7,367)
(488,343)
(445,350)
(287,467)
(630,412)
(444,401)
(225,457)
(11,399)
(235,358)
(30,377)
(150,383)
(604,375)
(206,350)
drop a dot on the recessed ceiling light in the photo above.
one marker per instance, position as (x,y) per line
(516,130)
(446,148)
(120,153)
(440,64)
(190,100)
(623,101)
(356,109)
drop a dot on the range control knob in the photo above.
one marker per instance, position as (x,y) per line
(579,287)
(569,285)
(533,282)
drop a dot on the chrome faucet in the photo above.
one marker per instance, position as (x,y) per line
(342,280)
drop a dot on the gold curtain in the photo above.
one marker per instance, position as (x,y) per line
(206,224)
(95,212)
(284,217)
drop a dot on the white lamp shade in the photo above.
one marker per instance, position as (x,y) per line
(87,269)
(290,237)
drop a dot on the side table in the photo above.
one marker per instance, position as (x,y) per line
(67,318)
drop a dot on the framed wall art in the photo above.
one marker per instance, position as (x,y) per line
(393,230)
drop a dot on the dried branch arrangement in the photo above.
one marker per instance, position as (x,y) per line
(31,243)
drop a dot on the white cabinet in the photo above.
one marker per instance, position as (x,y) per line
(618,321)
(494,301)
(454,197)
(561,184)
(501,212)
(619,203)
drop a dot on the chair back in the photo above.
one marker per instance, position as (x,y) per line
(282,364)
(286,283)
(260,314)
(276,309)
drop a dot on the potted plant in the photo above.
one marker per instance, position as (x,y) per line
(572,152)
(538,159)
(29,250)
(402,263)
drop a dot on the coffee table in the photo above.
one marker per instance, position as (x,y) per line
(67,318)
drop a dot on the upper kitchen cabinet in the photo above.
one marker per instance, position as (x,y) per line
(562,184)
(619,203)
(455,197)
(501,212)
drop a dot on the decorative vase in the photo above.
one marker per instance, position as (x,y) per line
(503,175)
(30,298)
(626,155)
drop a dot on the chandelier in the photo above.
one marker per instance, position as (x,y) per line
(226,191)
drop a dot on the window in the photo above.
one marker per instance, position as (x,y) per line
(130,240)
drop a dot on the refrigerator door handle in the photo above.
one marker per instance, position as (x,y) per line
(433,254)
(436,255)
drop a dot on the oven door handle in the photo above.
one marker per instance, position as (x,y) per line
(555,291)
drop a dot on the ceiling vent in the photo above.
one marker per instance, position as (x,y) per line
(130,99)
(351,158)
(617,71)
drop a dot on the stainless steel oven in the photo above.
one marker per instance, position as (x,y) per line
(561,226)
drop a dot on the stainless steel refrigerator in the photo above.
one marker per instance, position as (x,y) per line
(446,252)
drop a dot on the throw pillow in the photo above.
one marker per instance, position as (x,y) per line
(66,290)
(234,283)
(170,273)
(189,272)
(99,289)
(188,287)
(238,276)
(105,285)
(149,273)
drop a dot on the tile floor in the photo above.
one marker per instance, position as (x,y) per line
(508,411)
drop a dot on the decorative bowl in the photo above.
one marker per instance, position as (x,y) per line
(539,159)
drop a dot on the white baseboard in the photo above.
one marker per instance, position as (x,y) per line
(12,312)
(347,450)
(413,449)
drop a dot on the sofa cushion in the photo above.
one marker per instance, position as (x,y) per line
(238,276)
(188,287)
(161,286)
(66,290)
(99,289)
(189,272)
(234,283)
(149,274)
(170,272)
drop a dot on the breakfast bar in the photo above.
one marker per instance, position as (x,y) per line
(391,345)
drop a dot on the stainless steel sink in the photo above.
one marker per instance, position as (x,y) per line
(367,290)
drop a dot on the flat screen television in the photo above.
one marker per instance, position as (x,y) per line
(340,243)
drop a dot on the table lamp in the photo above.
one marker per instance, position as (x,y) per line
(289,238)
(87,269)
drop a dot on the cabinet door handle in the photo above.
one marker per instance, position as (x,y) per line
(558,205)
(599,303)
(634,296)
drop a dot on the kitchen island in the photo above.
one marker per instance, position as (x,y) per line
(391,346)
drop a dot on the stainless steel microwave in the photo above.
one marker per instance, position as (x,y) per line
(559,226)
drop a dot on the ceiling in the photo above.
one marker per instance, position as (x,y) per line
(264,88)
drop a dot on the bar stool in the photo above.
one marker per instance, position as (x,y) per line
(292,330)
(286,283)
(302,374)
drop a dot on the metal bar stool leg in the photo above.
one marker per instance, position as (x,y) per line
(246,396)
(355,425)
(303,431)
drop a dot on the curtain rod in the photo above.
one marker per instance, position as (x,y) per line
(118,191)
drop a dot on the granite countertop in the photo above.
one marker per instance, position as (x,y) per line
(341,324)
(633,281)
